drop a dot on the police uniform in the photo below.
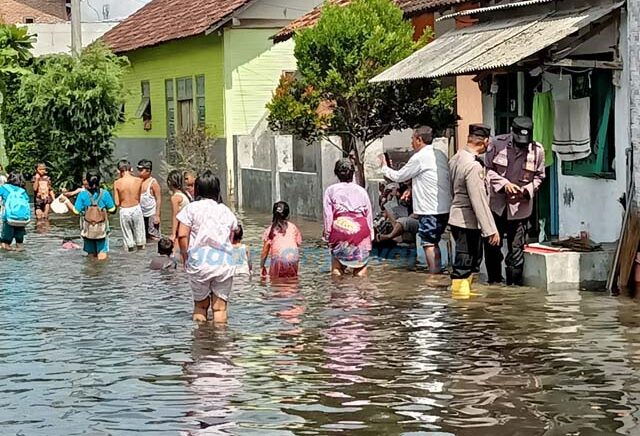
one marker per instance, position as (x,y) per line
(508,161)
(470,217)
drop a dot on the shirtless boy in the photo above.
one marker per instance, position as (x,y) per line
(150,200)
(127,190)
(43,192)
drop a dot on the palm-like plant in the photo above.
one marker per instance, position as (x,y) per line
(15,54)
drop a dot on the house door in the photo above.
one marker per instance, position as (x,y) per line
(185,115)
(507,99)
(515,98)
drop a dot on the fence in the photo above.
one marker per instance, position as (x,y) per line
(275,167)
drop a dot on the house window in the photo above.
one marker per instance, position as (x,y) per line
(200,101)
(185,104)
(171,107)
(29,20)
(144,109)
(598,86)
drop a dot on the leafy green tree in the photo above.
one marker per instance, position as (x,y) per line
(15,55)
(73,105)
(331,93)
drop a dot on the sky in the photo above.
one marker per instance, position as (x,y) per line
(107,10)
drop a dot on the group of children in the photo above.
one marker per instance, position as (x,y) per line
(203,228)
(16,210)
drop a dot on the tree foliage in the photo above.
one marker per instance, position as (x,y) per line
(192,150)
(336,59)
(15,55)
(65,112)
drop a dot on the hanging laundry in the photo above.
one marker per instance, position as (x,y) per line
(543,123)
(572,132)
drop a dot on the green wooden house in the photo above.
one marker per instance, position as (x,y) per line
(200,62)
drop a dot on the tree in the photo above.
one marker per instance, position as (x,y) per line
(192,150)
(331,93)
(73,106)
(15,54)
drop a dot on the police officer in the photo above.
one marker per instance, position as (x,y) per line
(515,170)
(470,217)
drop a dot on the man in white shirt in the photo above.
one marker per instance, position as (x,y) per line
(428,170)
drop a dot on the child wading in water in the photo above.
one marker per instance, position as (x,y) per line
(43,192)
(150,200)
(190,184)
(281,241)
(127,190)
(93,204)
(241,255)
(179,200)
(164,260)
(16,212)
(205,234)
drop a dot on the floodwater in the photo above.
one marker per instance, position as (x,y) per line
(110,349)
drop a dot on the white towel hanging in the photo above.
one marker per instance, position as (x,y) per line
(572,133)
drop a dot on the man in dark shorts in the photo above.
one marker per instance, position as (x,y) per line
(428,170)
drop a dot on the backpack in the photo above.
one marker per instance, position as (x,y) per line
(17,211)
(94,222)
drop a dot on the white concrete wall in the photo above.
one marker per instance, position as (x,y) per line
(398,140)
(487,112)
(56,38)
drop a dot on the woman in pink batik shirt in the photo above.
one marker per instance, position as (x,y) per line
(348,222)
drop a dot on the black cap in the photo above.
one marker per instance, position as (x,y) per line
(479,130)
(522,129)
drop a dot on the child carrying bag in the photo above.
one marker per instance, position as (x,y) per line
(94,223)
(17,209)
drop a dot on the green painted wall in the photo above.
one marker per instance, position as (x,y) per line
(172,60)
(253,66)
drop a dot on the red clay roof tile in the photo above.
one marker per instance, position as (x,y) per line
(165,20)
(410,8)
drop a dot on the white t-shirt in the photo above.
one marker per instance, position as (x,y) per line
(428,169)
(210,248)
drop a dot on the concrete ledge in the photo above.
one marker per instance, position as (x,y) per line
(568,270)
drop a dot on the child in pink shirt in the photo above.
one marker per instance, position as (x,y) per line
(281,242)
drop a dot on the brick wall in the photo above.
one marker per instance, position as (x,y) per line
(41,11)
(633,35)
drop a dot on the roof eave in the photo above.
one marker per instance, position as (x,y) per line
(224,21)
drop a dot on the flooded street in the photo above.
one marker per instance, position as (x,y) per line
(88,348)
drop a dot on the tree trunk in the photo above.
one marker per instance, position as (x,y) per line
(356,150)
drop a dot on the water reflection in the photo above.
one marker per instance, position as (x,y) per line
(214,379)
(109,348)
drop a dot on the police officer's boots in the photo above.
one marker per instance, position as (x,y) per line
(514,276)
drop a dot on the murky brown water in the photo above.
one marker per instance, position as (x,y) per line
(100,349)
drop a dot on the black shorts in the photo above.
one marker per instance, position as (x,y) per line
(41,203)
(152,229)
(432,227)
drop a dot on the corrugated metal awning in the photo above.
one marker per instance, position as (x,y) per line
(492,45)
(488,9)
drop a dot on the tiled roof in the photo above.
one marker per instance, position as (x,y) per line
(17,11)
(165,20)
(410,8)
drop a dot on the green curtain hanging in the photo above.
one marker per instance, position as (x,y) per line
(603,133)
(544,123)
